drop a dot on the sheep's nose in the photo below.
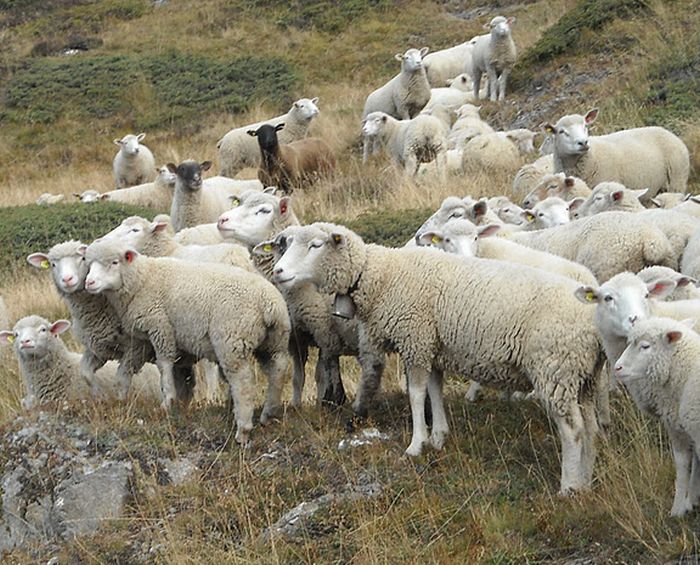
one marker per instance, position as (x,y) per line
(67,279)
(278,271)
(223,220)
(618,368)
(583,144)
(632,319)
(89,283)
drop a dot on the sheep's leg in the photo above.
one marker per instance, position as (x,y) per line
(441,429)
(184,382)
(493,84)
(365,149)
(590,423)
(299,351)
(683,458)
(131,363)
(418,378)
(694,487)
(476,83)
(239,375)
(89,364)
(372,363)
(411,165)
(375,145)
(603,399)
(441,164)
(571,434)
(502,81)
(473,392)
(329,385)
(167,382)
(274,368)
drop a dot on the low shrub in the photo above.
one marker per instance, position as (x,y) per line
(392,228)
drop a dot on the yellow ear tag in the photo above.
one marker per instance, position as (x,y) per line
(45,264)
(267,248)
(531,218)
(10,339)
(435,239)
(590,296)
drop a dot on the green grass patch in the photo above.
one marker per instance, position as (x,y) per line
(327,16)
(392,228)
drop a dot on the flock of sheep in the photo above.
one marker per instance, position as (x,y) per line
(587,286)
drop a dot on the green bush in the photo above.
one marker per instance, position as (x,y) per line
(392,228)
(27,229)
(327,16)
(674,92)
(60,16)
(170,87)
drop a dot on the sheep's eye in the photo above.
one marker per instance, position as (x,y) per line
(456,214)
(541,214)
(608,298)
(506,210)
(53,265)
(315,245)
(646,295)
(42,330)
(136,230)
(115,262)
(82,258)
(263,211)
(644,346)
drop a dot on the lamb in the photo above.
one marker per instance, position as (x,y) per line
(48,199)
(649,157)
(157,194)
(530,175)
(442,65)
(490,153)
(686,287)
(153,239)
(467,126)
(522,138)
(291,165)
(237,150)
(505,210)
(403,97)
(259,217)
(199,202)
(611,196)
(51,373)
(405,299)
(217,312)
(457,93)
(660,369)
(134,163)
(549,213)
(557,184)
(409,142)
(494,54)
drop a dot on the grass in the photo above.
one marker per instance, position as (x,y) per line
(189,71)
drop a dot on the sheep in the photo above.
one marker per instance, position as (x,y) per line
(522,138)
(505,210)
(611,196)
(686,287)
(258,217)
(669,199)
(48,199)
(453,207)
(154,240)
(530,175)
(203,234)
(467,126)
(210,311)
(290,165)
(494,54)
(649,157)
(660,369)
(457,93)
(409,142)
(691,207)
(403,97)
(442,113)
(199,202)
(453,164)
(548,213)
(490,153)
(690,263)
(157,194)
(51,373)
(557,184)
(405,299)
(237,150)
(134,163)
(444,64)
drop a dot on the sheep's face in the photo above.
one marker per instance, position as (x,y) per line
(305,108)
(523,140)
(31,337)
(108,261)
(374,124)
(460,237)
(89,196)
(606,196)
(135,232)
(189,173)
(452,208)
(412,60)
(550,185)
(510,213)
(267,136)
(571,133)
(129,144)
(254,217)
(650,347)
(166,177)
(548,213)
(68,267)
(461,82)
(623,301)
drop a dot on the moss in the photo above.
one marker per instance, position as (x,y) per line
(392,228)
(27,229)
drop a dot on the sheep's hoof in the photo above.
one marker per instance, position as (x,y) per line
(243,438)
(414,450)
(437,439)
(269,413)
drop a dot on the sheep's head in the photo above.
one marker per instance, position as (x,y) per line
(460,237)
(412,60)
(570,133)
(129,144)
(254,216)
(31,337)
(607,196)
(88,196)
(548,213)
(500,26)
(135,232)
(374,124)
(306,108)
(165,176)
(189,173)
(267,135)
(107,259)
(66,261)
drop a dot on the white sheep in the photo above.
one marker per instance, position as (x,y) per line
(649,157)
(453,165)
(134,163)
(611,196)
(690,263)
(506,210)
(199,202)
(669,199)
(467,126)
(405,299)
(409,142)
(691,207)
(238,150)
(442,65)
(530,175)
(490,153)
(216,312)
(157,194)
(203,234)
(522,138)
(549,213)
(557,184)
(48,199)
(51,373)
(453,207)
(494,54)
(661,370)
(686,287)
(457,93)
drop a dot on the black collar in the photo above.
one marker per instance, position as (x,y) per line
(355,285)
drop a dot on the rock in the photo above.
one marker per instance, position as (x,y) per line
(180,470)
(365,437)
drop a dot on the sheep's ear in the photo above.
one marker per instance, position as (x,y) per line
(655,202)
(77,195)
(488,231)
(130,255)
(424,51)
(695,199)
(548,128)
(338,240)
(172,167)
(39,261)
(448,82)
(575,203)
(673,336)
(528,215)
(569,182)
(117,142)
(105,197)
(254,133)
(399,56)
(661,288)
(206,165)
(158,227)
(7,337)
(617,196)
(82,250)
(487,25)
(641,192)
(384,118)
(279,127)
(685,280)
(428,238)
(587,294)
(59,326)
(269,190)
(479,209)
(140,137)
(590,116)
(264,248)
(285,206)
(511,20)
(315,100)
